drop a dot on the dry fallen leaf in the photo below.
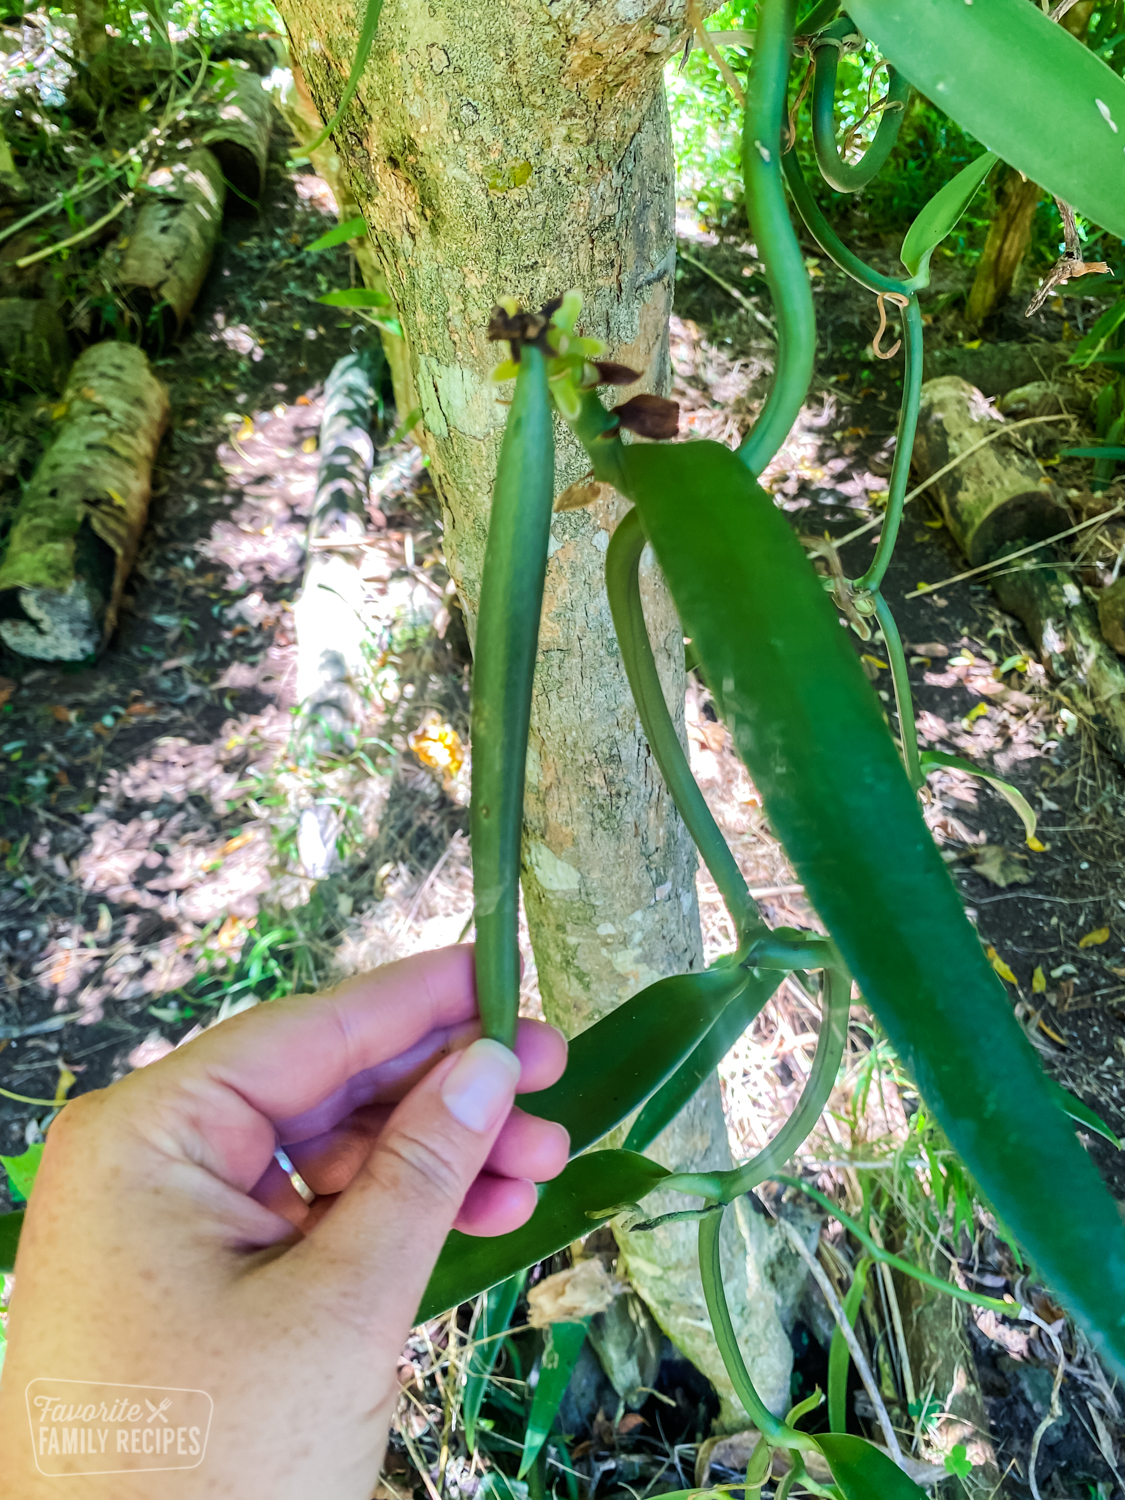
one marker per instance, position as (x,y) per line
(239,841)
(996,864)
(60,712)
(7,688)
(1000,966)
(309,445)
(573,1294)
(1094,939)
(1038,981)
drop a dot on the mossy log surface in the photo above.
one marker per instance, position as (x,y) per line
(996,502)
(329,615)
(78,524)
(996,495)
(170,248)
(34,352)
(240,134)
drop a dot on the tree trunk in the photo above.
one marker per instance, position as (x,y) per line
(169,251)
(522,149)
(1009,234)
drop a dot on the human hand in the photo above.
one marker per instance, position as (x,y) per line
(164,1246)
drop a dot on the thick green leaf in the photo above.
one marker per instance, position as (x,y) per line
(355,296)
(22,1169)
(590,1190)
(993,66)
(1082,1114)
(864,1472)
(811,731)
(671,1097)
(495,1316)
(942,212)
(352,230)
(929,759)
(618,1062)
(10,1226)
(561,1349)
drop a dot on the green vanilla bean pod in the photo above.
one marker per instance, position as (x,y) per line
(515,565)
(622,568)
(768,213)
(845,177)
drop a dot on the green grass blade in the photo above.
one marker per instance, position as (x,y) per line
(496,1313)
(561,1349)
(839,1356)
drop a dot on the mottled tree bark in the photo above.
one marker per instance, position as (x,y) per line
(523,148)
(1009,235)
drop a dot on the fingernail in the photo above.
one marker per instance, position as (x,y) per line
(480,1088)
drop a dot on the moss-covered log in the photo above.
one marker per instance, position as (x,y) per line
(76,530)
(996,495)
(34,352)
(329,615)
(996,502)
(239,134)
(170,248)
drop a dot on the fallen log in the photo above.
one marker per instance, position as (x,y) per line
(996,495)
(995,502)
(237,129)
(329,613)
(169,251)
(34,352)
(77,527)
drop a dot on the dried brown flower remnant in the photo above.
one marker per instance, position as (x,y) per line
(509,321)
(611,373)
(649,416)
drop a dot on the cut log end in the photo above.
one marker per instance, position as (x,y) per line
(55,626)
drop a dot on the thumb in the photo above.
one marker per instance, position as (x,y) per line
(383,1235)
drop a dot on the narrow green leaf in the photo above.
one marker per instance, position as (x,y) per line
(839,1355)
(352,230)
(673,1095)
(590,1190)
(561,1348)
(496,1314)
(22,1170)
(496,1485)
(10,1226)
(930,759)
(864,1472)
(941,214)
(990,66)
(622,1059)
(1105,451)
(1082,1114)
(811,731)
(355,296)
(1092,346)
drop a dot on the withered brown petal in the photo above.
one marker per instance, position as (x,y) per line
(649,416)
(614,374)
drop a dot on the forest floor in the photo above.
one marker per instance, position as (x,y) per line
(152,827)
